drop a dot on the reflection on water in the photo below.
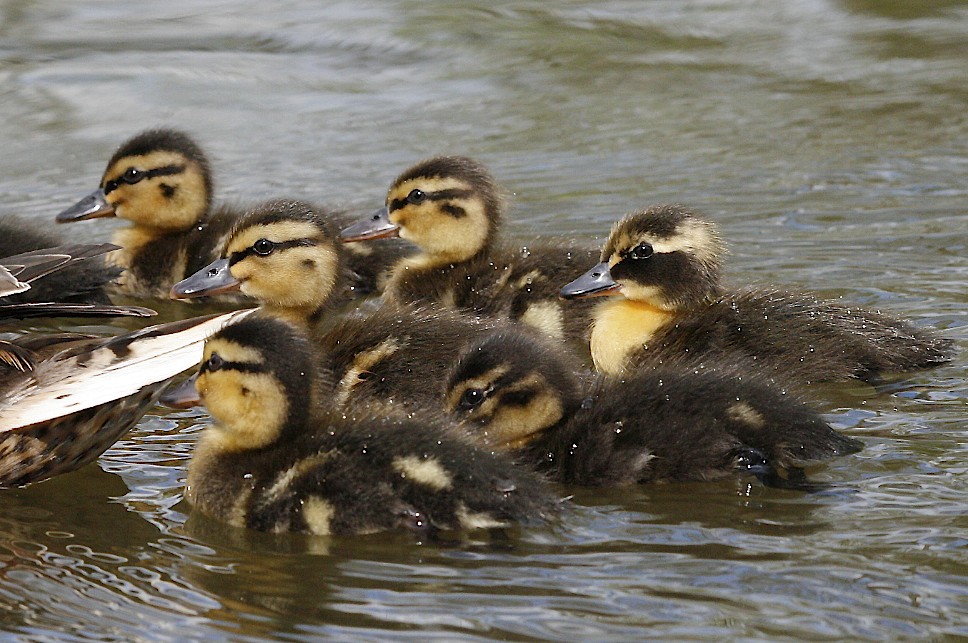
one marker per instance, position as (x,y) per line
(828,139)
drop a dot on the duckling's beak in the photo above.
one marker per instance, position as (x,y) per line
(92,206)
(375,226)
(183,396)
(213,279)
(594,283)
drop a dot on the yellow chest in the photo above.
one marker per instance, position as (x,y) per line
(621,327)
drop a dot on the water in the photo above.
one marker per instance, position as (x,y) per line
(828,138)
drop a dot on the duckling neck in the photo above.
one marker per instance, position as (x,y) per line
(132,239)
(300,316)
(620,327)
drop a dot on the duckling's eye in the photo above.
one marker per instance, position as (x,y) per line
(214,363)
(132,175)
(641,251)
(416,196)
(472,398)
(263,247)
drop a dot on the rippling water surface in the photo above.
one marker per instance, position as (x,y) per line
(828,138)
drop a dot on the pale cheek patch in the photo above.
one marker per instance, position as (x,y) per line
(512,427)
(297,277)
(427,472)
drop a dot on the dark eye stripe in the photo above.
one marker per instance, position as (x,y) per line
(241,367)
(166,170)
(440,195)
(236,257)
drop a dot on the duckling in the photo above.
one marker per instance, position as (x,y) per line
(161,181)
(522,396)
(287,257)
(78,274)
(69,408)
(666,262)
(452,209)
(279,458)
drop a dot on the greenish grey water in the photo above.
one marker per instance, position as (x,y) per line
(829,139)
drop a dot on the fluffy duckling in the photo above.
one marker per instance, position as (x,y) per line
(522,396)
(452,209)
(287,257)
(67,409)
(161,182)
(280,459)
(666,261)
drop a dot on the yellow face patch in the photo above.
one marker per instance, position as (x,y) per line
(508,426)
(513,426)
(249,408)
(299,278)
(170,202)
(442,236)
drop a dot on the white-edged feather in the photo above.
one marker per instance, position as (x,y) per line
(112,369)
(10,285)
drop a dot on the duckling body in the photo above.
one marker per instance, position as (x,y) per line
(665,262)
(287,257)
(663,425)
(279,459)
(452,209)
(63,411)
(161,182)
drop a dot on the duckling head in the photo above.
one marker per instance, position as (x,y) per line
(283,254)
(510,387)
(160,179)
(666,256)
(256,380)
(449,206)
